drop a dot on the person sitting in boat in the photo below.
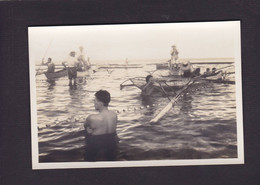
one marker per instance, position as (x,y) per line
(196,72)
(207,72)
(214,70)
(174,69)
(50,65)
(219,74)
(72,64)
(186,68)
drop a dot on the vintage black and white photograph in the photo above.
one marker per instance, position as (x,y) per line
(130,95)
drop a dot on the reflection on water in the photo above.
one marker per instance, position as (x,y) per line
(201,125)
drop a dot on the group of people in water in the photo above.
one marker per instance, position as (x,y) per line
(73,64)
(100,128)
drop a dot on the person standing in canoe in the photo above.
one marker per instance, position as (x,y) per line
(50,65)
(207,72)
(101,136)
(173,65)
(72,64)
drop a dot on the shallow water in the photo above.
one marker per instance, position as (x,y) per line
(202,124)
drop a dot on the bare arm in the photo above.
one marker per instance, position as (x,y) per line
(64,64)
(88,125)
(145,86)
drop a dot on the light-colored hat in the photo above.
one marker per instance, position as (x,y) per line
(185,62)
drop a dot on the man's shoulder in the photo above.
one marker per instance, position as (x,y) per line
(113,113)
(92,117)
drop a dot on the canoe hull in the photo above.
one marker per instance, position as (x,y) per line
(57,74)
(63,73)
(172,82)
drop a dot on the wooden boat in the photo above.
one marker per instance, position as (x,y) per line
(183,89)
(64,72)
(166,83)
(57,74)
(175,82)
(160,66)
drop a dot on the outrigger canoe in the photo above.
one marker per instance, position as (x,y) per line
(174,82)
(182,90)
(63,73)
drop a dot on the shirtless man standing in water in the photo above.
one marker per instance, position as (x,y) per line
(149,88)
(101,137)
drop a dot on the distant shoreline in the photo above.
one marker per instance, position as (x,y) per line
(154,61)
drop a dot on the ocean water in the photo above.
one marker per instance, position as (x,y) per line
(201,125)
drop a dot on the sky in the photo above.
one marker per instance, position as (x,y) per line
(136,41)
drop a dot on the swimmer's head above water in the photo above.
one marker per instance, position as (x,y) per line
(148,78)
(102,98)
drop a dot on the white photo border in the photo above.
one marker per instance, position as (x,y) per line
(149,163)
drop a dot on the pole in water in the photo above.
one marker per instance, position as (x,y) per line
(44,56)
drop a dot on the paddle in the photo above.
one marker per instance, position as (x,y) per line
(43,57)
(164,91)
(171,103)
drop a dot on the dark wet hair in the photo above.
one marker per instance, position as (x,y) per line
(103,96)
(197,70)
(213,68)
(148,78)
(208,69)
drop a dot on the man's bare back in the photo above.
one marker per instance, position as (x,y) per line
(104,122)
(101,137)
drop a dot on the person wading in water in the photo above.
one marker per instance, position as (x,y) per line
(101,136)
(72,64)
(50,65)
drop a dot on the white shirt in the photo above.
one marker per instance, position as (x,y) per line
(72,61)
